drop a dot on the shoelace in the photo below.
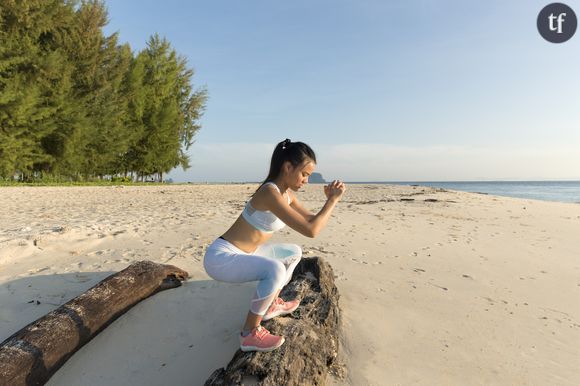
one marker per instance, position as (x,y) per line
(261,332)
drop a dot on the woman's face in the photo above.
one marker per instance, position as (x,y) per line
(297,177)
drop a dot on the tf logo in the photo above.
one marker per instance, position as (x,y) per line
(557,22)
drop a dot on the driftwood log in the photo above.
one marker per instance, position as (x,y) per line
(312,336)
(33,354)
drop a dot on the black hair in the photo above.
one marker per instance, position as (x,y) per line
(294,152)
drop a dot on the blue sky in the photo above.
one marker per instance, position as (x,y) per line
(382,90)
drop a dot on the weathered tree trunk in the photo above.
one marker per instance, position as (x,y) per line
(312,336)
(33,354)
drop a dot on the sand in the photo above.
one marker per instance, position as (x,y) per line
(469,289)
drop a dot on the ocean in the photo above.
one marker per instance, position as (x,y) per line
(563,191)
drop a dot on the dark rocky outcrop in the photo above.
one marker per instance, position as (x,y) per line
(311,332)
(33,354)
(316,178)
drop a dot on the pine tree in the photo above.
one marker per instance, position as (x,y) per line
(76,103)
(170,112)
(32,81)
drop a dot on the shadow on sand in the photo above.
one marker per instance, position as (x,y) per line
(178,336)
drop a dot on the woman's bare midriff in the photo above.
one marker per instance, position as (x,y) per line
(244,236)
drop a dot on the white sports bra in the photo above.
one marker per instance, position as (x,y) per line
(263,220)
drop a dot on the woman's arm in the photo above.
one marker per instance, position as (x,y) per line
(278,205)
(308,216)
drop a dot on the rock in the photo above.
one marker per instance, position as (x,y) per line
(316,178)
(312,336)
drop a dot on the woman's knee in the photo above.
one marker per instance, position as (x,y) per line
(297,249)
(275,271)
(296,252)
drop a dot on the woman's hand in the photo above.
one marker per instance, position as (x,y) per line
(334,190)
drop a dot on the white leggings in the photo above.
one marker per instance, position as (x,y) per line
(271,264)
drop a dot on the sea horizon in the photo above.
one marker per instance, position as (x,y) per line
(546,190)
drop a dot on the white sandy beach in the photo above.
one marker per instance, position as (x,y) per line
(469,290)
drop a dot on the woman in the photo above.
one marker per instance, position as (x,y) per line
(241,254)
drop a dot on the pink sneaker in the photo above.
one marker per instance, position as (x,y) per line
(260,339)
(280,307)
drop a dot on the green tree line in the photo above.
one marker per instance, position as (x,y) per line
(78,105)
